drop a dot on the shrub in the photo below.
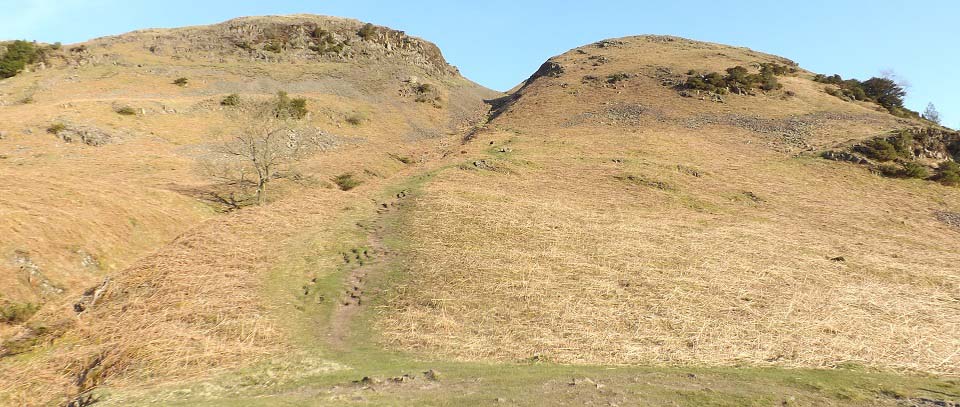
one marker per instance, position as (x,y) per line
(346,181)
(56,128)
(181,81)
(914,170)
(776,69)
(19,54)
(851,89)
(738,79)
(126,111)
(356,118)
(879,149)
(15,313)
(273,47)
(948,173)
(231,100)
(617,77)
(295,108)
(889,170)
(368,30)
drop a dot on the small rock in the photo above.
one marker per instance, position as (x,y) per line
(432,375)
(838,259)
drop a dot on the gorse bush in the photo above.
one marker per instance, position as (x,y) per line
(356,118)
(738,79)
(914,170)
(346,181)
(18,55)
(888,149)
(273,47)
(56,128)
(231,100)
(290,108)
(326,43)
(126,111)
(367,31)
(948,173)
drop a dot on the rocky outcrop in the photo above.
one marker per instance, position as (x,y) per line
(89,135)
(31,274)
(272,39)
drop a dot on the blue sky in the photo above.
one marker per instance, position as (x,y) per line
(499,43)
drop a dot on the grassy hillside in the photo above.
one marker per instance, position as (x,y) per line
(628,224)
(604,236)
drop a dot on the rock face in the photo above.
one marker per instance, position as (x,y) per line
(274,39)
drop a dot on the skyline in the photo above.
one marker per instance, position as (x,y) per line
(501,43)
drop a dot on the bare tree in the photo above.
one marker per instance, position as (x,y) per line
(266,145)
(266,140)
(931,113)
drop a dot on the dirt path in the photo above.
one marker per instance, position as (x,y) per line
(366,262)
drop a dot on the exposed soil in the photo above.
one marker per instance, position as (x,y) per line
(367,261)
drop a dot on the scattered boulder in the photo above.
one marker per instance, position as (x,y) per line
(89,135)
(90,297)
(844,156)
(31,274)
(484,165)
(949,218)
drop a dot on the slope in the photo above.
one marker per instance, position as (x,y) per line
(617,220)
(118,230)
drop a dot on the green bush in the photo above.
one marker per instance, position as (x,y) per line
(15,313)
(356,118)
(19,54)
(346,181)
(368,30)
(617,77)
(231,100)
(889,170)
(273,47)
(879,149)
(56,128)
(738,79)
(291,108)
(948,173)
(914,170)
(126,111)
(181,81)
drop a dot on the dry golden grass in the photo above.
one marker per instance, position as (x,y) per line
(558,258)
(186,291)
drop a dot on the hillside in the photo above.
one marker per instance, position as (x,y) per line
(602,234)
(625,223)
